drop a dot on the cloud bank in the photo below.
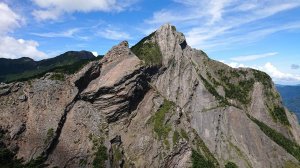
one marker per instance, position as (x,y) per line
(53,9)
(253,57)
(215,24)
(277,75)
(11,47)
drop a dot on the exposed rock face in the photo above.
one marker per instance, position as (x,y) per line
(123,112)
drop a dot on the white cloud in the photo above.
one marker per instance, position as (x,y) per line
(215,24)
(68,33)
(253,57)
(95,53)
(217,9)
(52,9)
(279,76)
(50,14)
(114,34)
(16,48)
(9,19)
(9,46)
(222,37)
(191,10)
(234,64)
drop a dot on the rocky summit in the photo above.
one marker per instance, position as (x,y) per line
(159,103)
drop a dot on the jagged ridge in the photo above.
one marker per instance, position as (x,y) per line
(162,104)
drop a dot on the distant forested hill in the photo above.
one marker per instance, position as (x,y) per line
(291,97)
(26,68)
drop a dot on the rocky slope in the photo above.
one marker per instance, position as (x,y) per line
(159,104)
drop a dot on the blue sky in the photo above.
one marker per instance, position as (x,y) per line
(262,34)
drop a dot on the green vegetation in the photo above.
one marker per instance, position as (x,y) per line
(166,143)
(162,129)
(148,51)
(213,91)
(101,151)
(117,155)
(278,113)
(28,75)
(176,137)
(36,163)
(184,134)
(23,70)
(291,164)
(240,154)
(213,80)
(179,135)
(291,147)
(199,161)
(202,157)
(100,157)
(72,68)
(239,91)
(243,72)
(235,73)
(231,165)
(82,162)
(50,135)
(173,28)
(263,78)
(7,159)
(58,77)
(208,155)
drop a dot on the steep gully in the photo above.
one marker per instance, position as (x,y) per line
(92,73)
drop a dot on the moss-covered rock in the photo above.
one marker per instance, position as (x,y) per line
(148,51)
(160,128)
(230,165)
(290,146)
(199,161)
(278,114)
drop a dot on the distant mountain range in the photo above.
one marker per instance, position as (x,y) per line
(25,68)
(291,97)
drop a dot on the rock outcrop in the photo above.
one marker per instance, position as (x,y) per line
(159,104)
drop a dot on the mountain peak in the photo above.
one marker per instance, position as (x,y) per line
(124,44)
(118,52)
(167,26)
(161,46)
(26,59)
(170,30)
(171,42)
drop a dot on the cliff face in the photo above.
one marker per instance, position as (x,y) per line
(159,104)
